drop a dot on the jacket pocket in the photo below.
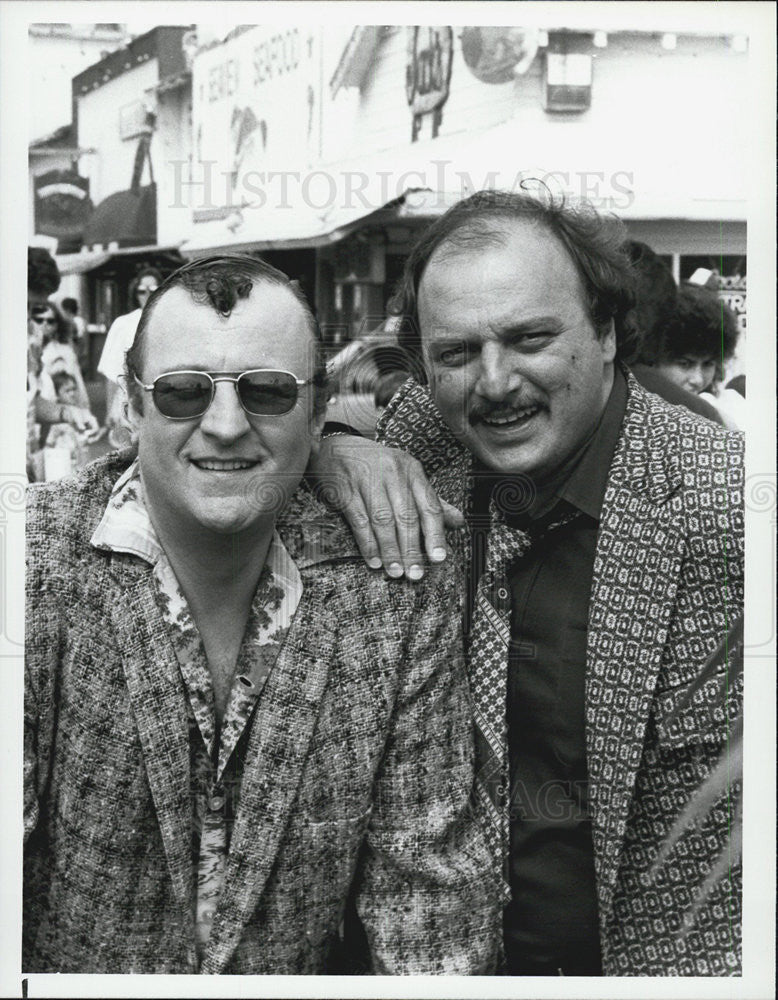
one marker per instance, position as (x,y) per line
(329,852)
(693,712)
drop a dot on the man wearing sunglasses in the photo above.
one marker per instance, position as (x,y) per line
(235,732)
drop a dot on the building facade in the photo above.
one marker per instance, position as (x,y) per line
(326,149)
(408,119)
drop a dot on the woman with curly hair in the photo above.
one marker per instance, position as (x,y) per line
(699,338)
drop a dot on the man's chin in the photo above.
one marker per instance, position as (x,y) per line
(508,458)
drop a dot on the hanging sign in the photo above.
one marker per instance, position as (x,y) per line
(255,108)
(428,74)
(62,204)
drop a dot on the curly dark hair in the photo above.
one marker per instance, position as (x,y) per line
(702,325)
(220,281)
(595,243)
(656,296)
(42,272)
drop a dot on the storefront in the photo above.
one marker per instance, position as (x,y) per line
(129,119)
(327,153)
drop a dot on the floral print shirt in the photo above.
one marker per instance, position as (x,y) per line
(216,757)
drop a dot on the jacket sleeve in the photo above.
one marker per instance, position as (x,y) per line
(428,898)
(40,661)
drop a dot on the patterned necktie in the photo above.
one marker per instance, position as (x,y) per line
(490,634)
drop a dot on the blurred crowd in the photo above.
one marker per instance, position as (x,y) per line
(687,339)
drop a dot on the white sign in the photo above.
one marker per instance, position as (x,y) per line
(256,109)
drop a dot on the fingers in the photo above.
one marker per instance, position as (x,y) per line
(396,517)
(431,520)
(354,512)
(406,549)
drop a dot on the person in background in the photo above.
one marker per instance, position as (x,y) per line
(64,435)
(699,338)
(59,354)
(42,281)
(117,343)
(69,307)
(386,386)
(656,295)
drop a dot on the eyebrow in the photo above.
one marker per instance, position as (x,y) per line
(532,325)
(550,323)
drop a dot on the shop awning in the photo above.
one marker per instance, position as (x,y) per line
(620,172)
(128,218)
(267,228)
(88,260)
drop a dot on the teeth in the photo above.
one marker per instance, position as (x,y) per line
(510,416)
(233,466)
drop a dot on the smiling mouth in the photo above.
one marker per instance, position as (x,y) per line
(225,465)
(513,417)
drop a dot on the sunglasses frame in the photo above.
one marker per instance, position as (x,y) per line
(225,377)
(40,320)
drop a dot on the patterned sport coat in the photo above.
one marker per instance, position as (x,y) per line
(667,584)
(357,773)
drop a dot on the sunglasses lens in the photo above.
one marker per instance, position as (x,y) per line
(265,393)
(183,395)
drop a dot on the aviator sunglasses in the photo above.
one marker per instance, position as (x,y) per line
(262,392)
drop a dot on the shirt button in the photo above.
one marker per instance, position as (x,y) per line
(216,803)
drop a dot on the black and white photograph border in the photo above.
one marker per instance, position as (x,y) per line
(744,147)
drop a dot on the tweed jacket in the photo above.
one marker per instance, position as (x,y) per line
(357,773)
(667,583)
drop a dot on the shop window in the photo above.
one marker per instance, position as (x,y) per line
(729,271)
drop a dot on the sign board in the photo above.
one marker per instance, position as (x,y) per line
(428,74)
(62,204)
(255,109)
(133,120)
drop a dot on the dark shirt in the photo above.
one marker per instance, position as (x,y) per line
(662,386)
(552,921)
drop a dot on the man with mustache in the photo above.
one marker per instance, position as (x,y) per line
(233,728)
(604,550)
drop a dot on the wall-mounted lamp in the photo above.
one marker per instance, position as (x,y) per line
(669,41)
(567,72)
(600,40)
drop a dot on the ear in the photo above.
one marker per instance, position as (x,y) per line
(608,344)
(317,425)
(131,414)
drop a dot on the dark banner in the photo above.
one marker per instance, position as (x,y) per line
(62,204)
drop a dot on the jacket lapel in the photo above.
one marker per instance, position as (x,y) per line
(278,747)
(640,549)
(157,699)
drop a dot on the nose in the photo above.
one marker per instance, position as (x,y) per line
(225,419)
(695,379)
(496,376)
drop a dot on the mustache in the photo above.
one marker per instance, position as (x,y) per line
(484,408)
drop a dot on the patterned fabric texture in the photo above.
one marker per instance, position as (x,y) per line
(356,776)
(215,769)
(667,583)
